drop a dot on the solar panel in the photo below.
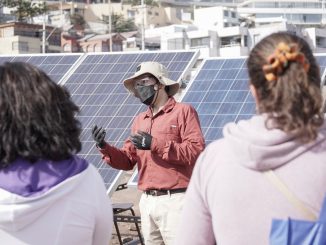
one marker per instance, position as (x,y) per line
(96,86)
(220,94)
(55,65)
(133,181)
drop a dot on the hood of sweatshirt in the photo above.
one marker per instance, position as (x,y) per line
(259,148)
(28,190)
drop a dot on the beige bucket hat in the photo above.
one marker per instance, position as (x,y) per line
(157,70)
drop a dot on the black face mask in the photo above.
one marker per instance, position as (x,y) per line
(146,94)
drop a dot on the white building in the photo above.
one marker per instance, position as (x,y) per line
(230,29)
(298,12)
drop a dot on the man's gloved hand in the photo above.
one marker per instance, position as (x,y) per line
(141,140)
(98,134)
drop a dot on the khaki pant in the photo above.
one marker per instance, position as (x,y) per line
(159,217)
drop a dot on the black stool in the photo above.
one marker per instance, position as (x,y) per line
(120,208)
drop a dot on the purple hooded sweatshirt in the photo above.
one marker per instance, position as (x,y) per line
(230,201)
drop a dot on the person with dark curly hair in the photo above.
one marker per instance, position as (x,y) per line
(234,193)
(48,195)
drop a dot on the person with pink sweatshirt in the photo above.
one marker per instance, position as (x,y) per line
(230,199)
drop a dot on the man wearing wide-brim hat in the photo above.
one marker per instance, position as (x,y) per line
(165,142)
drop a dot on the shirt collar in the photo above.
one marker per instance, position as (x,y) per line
(166,108)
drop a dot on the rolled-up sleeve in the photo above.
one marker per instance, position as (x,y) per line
(124,159)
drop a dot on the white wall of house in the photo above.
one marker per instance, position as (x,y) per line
(317,38)
(256,34)
(219,17)
(153,16)
(166,30)
(130,44)
(19,45)
(205,41)
(174,41)
(234,51)
(189,38)
(233,41)
(232,31)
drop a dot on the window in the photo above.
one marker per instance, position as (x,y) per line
(89,48)
(199,42)
(20,46)
(233,14)
(320,42)
(103,48)
(176,43)
(131,14)
(84,48)
(131,44)
(97,48)
(230,41)
(55,39)
(67,47)
(226,13)
(116,47)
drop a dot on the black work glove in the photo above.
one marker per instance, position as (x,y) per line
(141,140)
(98,136)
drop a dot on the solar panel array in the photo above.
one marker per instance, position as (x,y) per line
(95,82)
(57,66)
(220,94)
(96,86)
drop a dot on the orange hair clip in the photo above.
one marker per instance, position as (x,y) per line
(279,60)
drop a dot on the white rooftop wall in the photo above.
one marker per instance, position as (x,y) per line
(215,18)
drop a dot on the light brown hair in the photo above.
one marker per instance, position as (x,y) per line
(293,101)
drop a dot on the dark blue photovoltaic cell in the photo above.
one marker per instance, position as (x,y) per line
(96,86)
(220,94)
(55,65)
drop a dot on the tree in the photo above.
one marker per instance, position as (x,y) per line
(119,24)
(25,10)
(78,20)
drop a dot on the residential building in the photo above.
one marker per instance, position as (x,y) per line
(23,38)
(219,17)
(309,12)
(317,38)
(101,43)
(231,29)
(76,41)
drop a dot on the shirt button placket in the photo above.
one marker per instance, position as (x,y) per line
(149,130)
